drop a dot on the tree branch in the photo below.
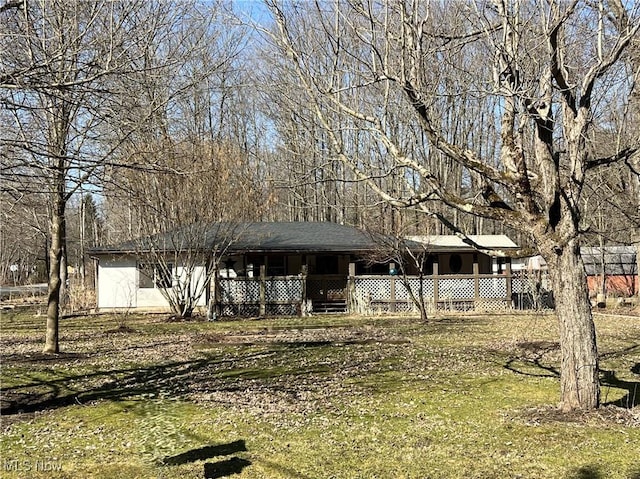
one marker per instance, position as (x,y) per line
(13,4)
(601,68)
(555,63)
(465,157)
(622,155)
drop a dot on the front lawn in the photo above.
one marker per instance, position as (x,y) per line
(319,397)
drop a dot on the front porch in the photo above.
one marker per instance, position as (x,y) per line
(370,294)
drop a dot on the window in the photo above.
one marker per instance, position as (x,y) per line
(155,275)
(427,265)
(276,266)
(329,265)
(455,263)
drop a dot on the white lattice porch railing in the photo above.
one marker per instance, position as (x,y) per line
(277,295)
(291,295)
(454,292)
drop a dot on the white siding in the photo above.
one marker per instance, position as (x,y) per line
(151,298)
(117,283)
(198,279)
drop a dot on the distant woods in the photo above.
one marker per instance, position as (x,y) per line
(130,107)
(124,119)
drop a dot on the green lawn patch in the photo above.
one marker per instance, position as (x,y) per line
(317,397)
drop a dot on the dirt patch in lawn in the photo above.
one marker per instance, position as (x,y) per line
(303,337)
(121,329)
(605,416)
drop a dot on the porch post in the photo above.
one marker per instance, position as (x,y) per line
(436,286)
(476,281)
(263,290)
(392,268)
(509,277)
(351,289)
(303,307)
(213,312)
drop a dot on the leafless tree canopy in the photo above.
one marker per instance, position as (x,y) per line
(404,116)
(492,109)
(88,87)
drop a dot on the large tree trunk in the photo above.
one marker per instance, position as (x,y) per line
(579,382)
(637,279)
(55,277)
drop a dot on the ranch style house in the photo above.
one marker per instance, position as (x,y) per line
(293,268)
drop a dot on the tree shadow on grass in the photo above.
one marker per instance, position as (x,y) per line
(115,384)
(587,472)
(632,398)
(228,467)
(535,366)
(213,470)
(593,471)
(204,453)
(65,389)
(534,353)
(234,374)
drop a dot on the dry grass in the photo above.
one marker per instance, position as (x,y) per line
(319,397)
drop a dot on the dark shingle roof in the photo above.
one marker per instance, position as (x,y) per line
(302,237)
(264,237)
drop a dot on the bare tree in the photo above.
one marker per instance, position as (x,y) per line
(52,62)
(23,238)
(64,65)
(408,259)
(539,73)
(186,216)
